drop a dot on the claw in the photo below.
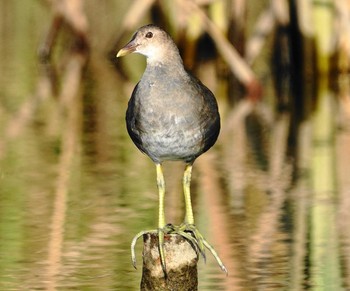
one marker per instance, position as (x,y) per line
(161,249)
(160,233)
(216,256)
(191,233)
(191,239)
(133,243)
(196,242)
(199,238)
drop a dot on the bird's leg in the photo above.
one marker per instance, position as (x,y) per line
(161,217)
(186,229)
(189,218)
(188,226)
(162,228)
(161,191)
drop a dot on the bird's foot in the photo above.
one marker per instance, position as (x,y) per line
(134,241)
(188,231)
(161,232)
(192,234)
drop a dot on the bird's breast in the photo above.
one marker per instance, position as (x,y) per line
(169,121)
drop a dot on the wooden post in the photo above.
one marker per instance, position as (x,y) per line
(181,264)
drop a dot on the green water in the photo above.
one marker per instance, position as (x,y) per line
(74,190)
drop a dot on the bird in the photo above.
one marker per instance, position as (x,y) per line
(171,116)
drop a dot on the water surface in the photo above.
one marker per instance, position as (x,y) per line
(74,190)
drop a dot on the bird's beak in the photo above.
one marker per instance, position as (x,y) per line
(128,49)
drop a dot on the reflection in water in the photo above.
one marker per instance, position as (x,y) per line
(324,242)
(69,146)
(74,190)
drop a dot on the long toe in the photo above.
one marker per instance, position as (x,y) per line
(161,232)
(191,233)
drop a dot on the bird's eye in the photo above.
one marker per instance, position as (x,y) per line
(149,34)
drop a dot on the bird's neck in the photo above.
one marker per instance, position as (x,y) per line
(166,65)
(163,74)
(166,57)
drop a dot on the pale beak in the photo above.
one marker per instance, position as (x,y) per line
(128,49)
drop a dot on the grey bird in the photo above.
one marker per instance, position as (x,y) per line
(171,116)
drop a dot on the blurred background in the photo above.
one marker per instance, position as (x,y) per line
(272,196)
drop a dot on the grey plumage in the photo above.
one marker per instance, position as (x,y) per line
(171,115)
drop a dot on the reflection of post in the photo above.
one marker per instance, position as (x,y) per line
(324,245)
(181,262)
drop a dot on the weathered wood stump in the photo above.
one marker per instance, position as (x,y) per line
(181,264)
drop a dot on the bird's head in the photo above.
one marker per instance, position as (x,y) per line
(152,42)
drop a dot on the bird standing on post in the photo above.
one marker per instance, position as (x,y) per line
(171,116)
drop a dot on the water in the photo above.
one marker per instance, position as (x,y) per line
(74,190)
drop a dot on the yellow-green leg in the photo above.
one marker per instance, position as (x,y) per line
(189,219)
(187,229)
(188,226)
(161,192)
(161,215)
(162,229)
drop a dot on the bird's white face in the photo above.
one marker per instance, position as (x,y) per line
(150,41)
(149,45)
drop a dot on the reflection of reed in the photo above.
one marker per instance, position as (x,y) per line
(211,189)
(343,146)
(300,196)
(68,149)
(234,145)
(246,216)
(267,236)
(278,181)
(324,254)
(20,120)
(70,98)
